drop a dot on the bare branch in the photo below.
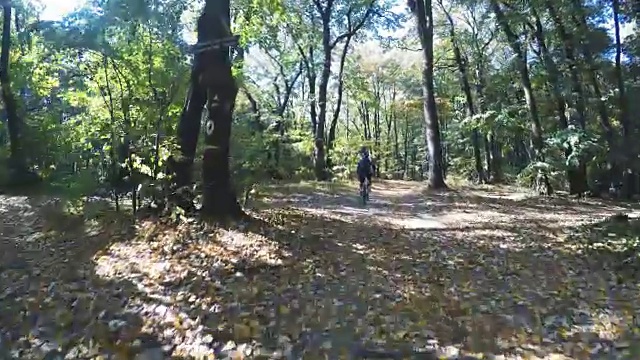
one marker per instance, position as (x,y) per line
(401,47)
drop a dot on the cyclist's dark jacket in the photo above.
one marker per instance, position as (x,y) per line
(365,168)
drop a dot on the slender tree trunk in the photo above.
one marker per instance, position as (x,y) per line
(219,197)
(495,147)
(366,120)
(569,50)
(576,173)
(628,176)
(279,113)
(308,61)
(424,20)
(542,182)
(493,155)
(396,142)
(181,166)
(488,159)
(405,157)
(466,88)
(610,136)
(336,113)
(578,117)
(376,121)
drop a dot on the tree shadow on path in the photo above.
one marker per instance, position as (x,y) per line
(51,301)
(503,280)
(314,280)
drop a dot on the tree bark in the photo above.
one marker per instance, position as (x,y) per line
(320,166)
(492,148)
(310,72)
(188,131)
(15,123)
(495,148)
(336,114)
(219,197)
(396,140)
(424,21)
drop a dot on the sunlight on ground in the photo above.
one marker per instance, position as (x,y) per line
(320,277)
(419,221)
(170,267)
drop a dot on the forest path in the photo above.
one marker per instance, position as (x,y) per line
(493,269)
(477,270)
(410,205)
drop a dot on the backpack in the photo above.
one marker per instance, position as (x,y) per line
(365,166)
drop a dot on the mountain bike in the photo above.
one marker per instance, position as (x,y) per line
(364,191)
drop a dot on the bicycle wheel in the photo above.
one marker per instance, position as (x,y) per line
(364,192)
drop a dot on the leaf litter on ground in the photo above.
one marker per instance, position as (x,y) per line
(481,272)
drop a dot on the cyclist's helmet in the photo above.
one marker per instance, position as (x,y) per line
(364,151)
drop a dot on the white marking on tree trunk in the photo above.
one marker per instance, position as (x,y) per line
(208,127)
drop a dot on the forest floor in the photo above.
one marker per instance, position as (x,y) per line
(479,271)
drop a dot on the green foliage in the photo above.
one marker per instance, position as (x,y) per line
(251,156)
(102,91)
(534,174)
(584,146)
(115,76)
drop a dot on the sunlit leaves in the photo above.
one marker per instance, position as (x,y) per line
(583,146)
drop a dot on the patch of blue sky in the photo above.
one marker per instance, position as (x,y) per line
(57,9)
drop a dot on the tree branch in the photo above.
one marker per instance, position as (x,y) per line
(353,30)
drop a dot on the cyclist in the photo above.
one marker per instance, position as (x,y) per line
(365,167)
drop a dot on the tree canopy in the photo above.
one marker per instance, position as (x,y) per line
(535,92)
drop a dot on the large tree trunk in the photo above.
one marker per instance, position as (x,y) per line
(576,174)
(495,148)
(14,122)
(219,197)
(424,20)
(542,183)
(320,166)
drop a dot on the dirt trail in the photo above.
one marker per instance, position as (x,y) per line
(410,205)
(479,271)
(494,259)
